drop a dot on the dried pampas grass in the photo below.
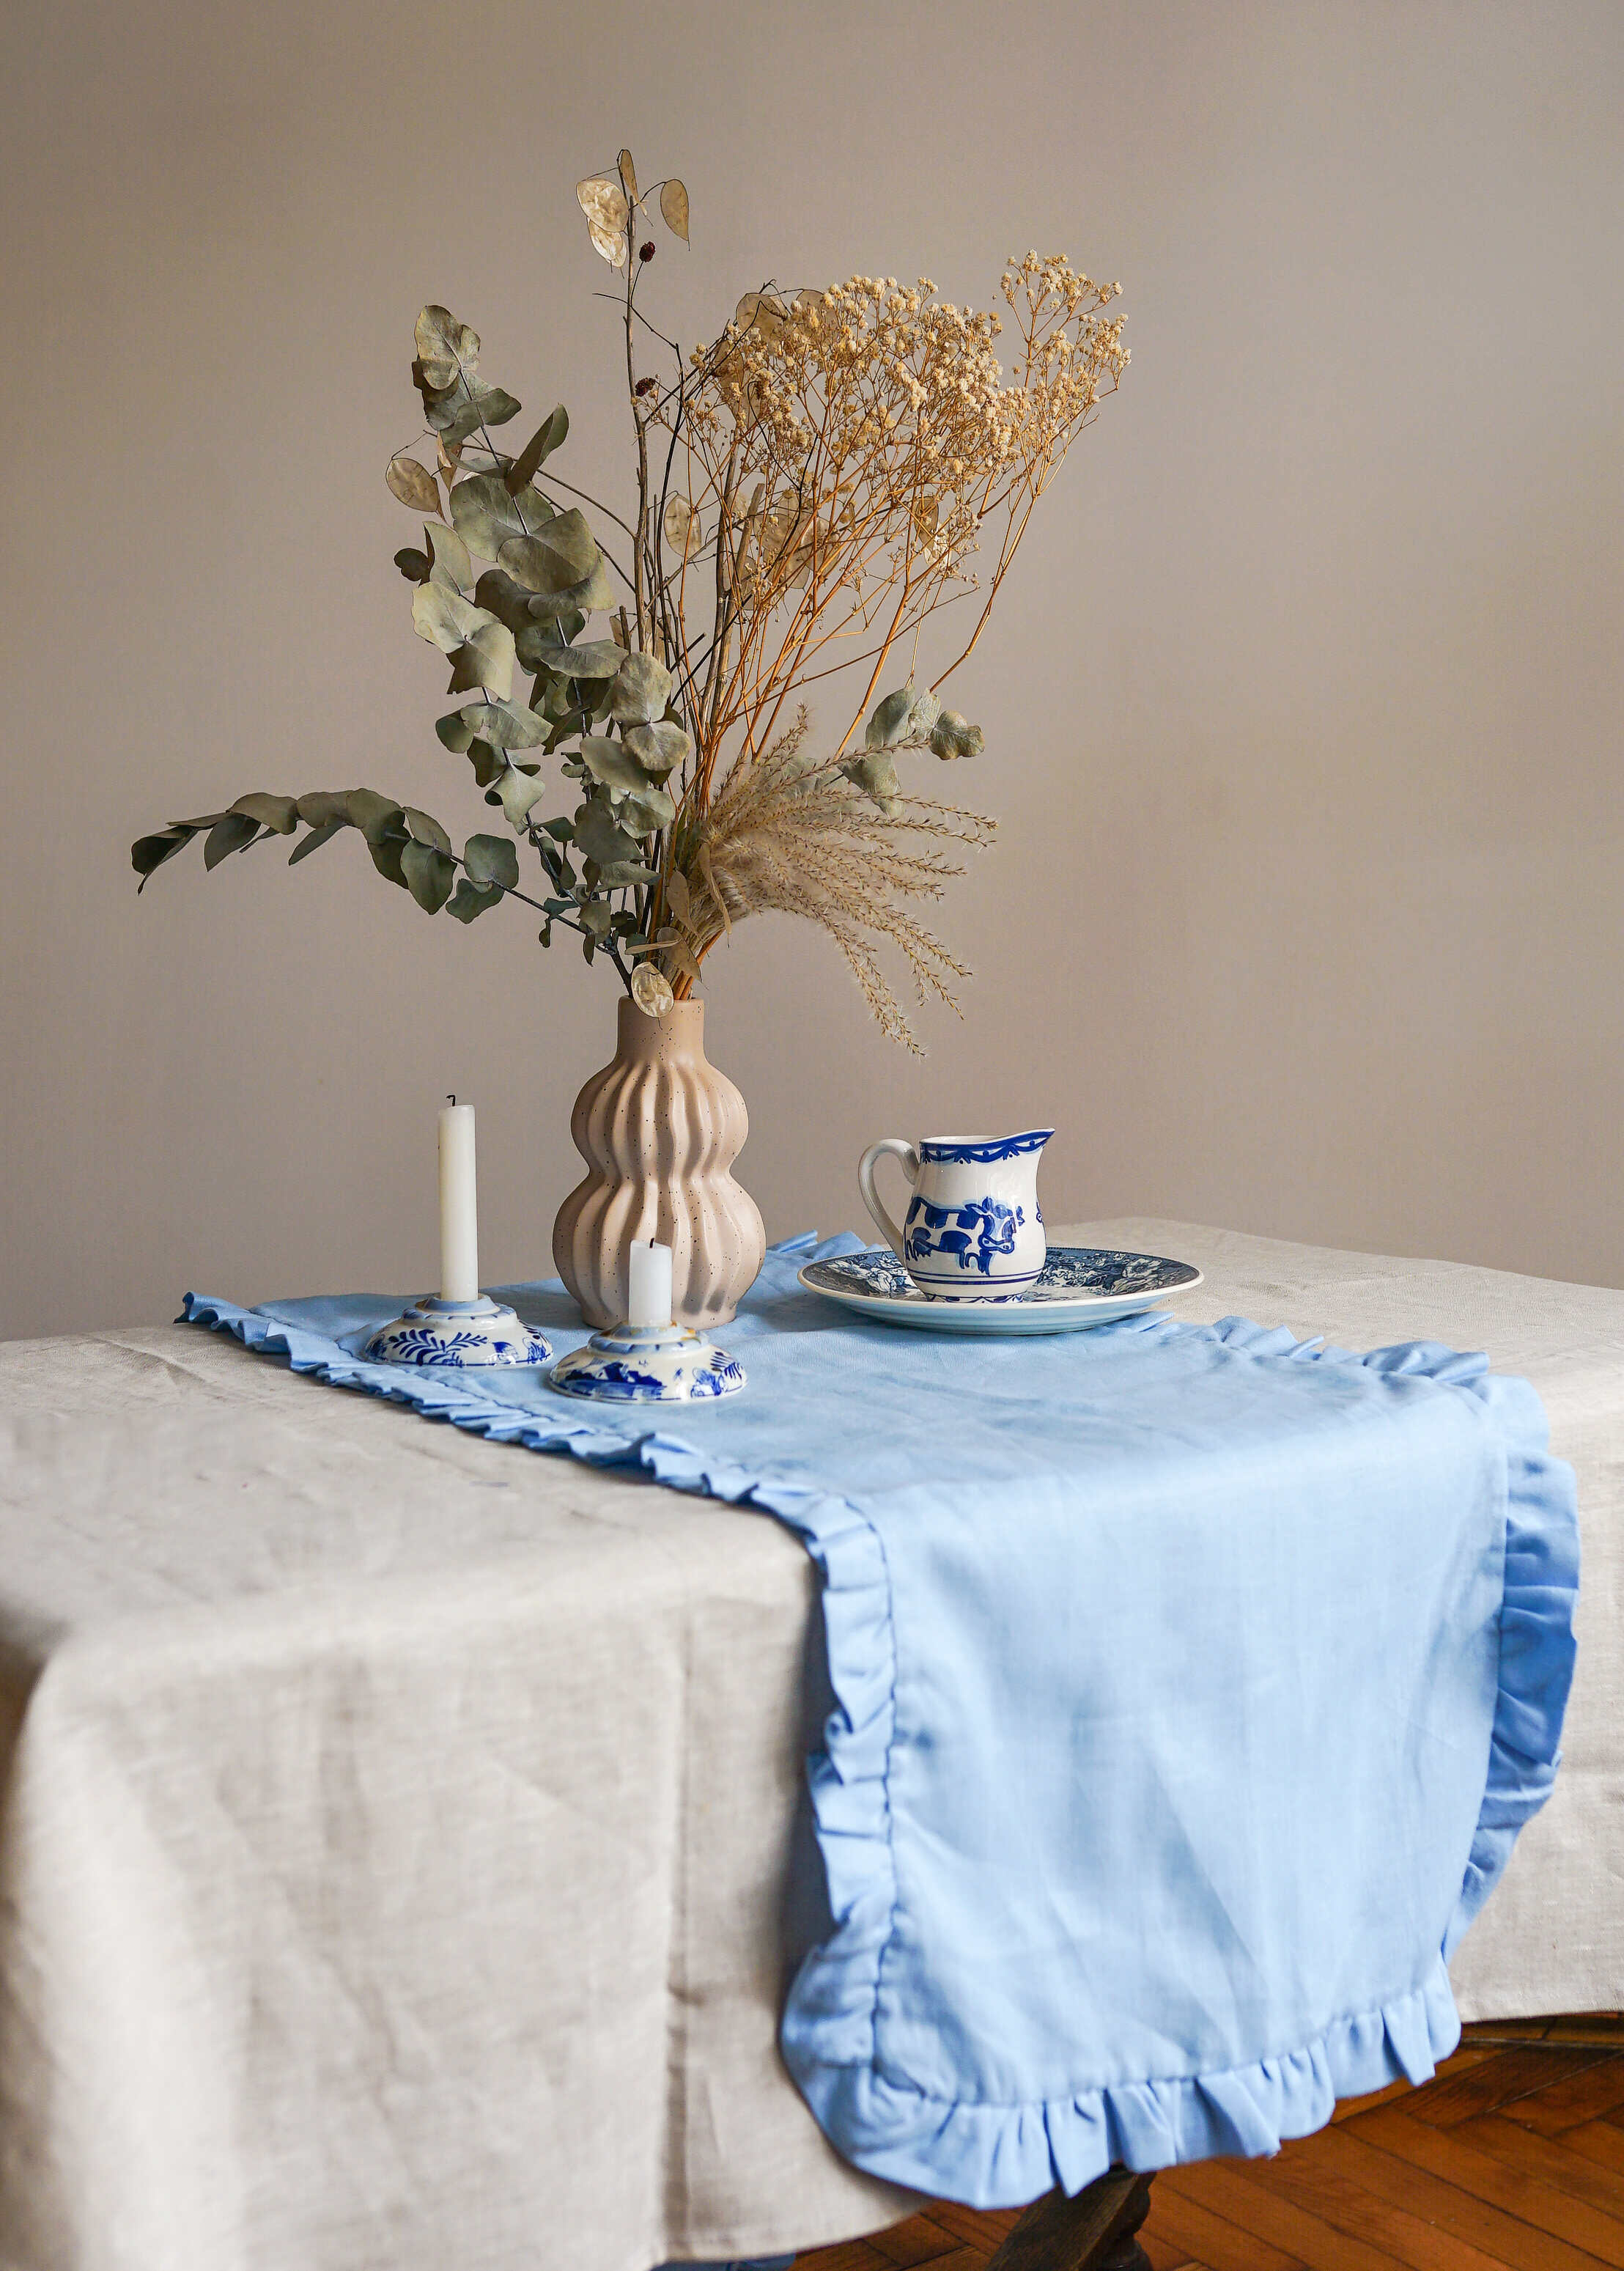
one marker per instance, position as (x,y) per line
(786,835)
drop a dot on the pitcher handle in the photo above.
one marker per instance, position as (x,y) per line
(909,1158)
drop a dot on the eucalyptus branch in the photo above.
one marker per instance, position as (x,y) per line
(846,454)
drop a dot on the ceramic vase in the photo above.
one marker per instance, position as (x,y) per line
(659,1129)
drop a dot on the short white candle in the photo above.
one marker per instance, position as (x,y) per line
(649,1297)
(459,1205)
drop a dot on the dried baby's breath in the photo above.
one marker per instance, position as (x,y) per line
(844,456)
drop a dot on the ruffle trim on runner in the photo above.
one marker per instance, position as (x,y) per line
(1004,2155)
(991,2156)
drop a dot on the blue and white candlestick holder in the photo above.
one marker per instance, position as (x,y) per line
(458,1333)
(648,1364)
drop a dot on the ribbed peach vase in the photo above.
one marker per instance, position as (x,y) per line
(659,1129)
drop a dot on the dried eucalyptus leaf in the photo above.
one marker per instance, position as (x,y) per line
(445,347)
(594,660)
(597,917)
(148,854)
(611,764)
(598,838)
(641,690)
(413,484)
(924,709)
(876,775)
(488,762)
(619,872)
(278,812)
(455,416)
(595,594)
(527,560)
(501,723)
(386,858)
(371,813)
(674,208)
(428,875)
(519,795)
(415,566)
(445,619)
(889,720)
(315,839)
(604,204)
(325,807)
(510,602)
(485,659)
(953,736)
(455,731)
(559,706)
(647,809)
(535,641)
(538,449)
(628,175)
(424,828)
(470,899)
(233,833)
(559,556)
(449,558)
(657,748)
(486,514)
(491,860)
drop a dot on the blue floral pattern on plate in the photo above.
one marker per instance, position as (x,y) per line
(1078,1285)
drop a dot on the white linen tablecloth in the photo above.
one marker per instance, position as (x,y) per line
(401,1852)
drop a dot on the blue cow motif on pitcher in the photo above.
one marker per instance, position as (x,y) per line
(974,1234)
(973,1230)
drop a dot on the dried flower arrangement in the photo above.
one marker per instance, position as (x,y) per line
(812,486)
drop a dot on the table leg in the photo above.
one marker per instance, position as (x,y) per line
(1093,2231)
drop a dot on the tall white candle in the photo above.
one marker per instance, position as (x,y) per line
(459,1205)
(649,1298)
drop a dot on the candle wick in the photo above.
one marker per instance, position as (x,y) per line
(451,1099)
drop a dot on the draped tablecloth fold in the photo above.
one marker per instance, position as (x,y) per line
(1191,1684)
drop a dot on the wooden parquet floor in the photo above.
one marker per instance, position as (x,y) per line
(1512,2159)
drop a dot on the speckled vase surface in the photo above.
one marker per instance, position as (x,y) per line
(659,1129)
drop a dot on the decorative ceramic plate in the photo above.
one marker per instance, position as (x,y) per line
(1079,1285)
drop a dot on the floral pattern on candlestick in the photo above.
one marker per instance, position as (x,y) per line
(459,1335)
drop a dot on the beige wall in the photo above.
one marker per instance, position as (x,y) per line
(1302,709)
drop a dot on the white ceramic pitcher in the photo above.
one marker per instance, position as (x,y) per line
(973,1231)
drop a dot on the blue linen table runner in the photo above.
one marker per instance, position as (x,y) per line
(1192,1685)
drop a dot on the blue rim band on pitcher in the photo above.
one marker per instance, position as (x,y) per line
(943,1151)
